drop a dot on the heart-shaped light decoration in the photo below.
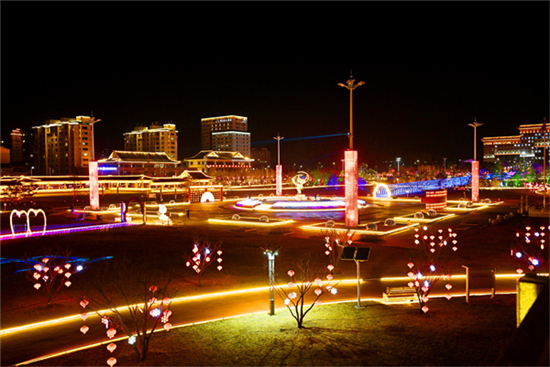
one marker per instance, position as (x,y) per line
(166,301)
(167,326)
(410,265)
(67,266)
(425,309)
(317,303)
(37,285)
(432,250)
(84,316)
(317,281)
(111,347)
(318,291)
(425,289)
(448,296)
(84,329)
(153,288)
(68,284)
(410,284)
(84,303)
(36,276)
(38,267)
(448,286)
(111,361)
(220,259)
(153,300)
(291,273)
(329,276)
(330,267)
(220,268)
(111,333)
(520,271)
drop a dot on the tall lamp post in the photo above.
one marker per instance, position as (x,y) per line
(279,168)
(475,165)
(350,174)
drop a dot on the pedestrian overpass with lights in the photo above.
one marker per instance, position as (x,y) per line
(387,191)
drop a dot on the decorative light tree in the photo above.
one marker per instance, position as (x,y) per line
(203,254)
(146,306)
(294,294)
(430,262)
(335,241)
(52,273)
(531,250)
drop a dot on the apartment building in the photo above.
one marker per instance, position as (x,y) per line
(226,133)
(156,138)
(64,146)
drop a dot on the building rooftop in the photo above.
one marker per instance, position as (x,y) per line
(139,157)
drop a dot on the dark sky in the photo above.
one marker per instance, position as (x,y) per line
(429,68)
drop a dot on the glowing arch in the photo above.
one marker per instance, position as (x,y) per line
(381,190)
(207,197)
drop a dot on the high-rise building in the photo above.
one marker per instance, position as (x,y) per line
(226,133)
(17,140)
(156,138)
(65,146)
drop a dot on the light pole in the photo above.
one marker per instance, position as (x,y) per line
(475,165)
(445,166)
(351,86)
(279,168)
(350,174)
(398,159)
(271,253)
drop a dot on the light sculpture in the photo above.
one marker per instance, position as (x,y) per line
(300,180)
(27,214)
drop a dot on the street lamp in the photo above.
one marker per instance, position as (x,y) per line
(350,155)
(271,253)
(475,165)
(279,168)
(351,86)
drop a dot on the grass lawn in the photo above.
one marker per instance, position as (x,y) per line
(451,334)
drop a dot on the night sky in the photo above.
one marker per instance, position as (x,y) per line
(429,68)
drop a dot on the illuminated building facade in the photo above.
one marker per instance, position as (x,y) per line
(156,138)
(138,163)
(64,147)
(211,161)
(528,146)
(226,133)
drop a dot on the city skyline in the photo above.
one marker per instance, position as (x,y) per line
(425,77)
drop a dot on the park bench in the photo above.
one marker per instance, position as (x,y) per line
(399,294)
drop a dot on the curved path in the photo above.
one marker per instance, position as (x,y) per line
(24,344)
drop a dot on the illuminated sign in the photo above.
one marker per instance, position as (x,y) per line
(107,168)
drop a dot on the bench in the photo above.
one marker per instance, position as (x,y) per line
(399,294)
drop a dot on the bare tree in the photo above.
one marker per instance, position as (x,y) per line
(294,294)
(335,241)
(144,295)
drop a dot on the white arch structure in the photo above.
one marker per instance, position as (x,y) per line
(381,190)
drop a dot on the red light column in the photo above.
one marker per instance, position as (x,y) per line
(352,211)
(94,186)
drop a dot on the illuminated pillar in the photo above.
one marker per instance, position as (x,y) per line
(352,212)
(475,181)
(279,180)
(94,192)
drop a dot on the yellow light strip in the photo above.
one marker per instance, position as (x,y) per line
(244,222)
(361,231)
(423,220)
